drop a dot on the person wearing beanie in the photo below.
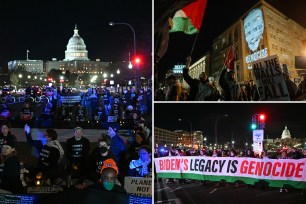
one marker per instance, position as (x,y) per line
(10,168)
(107,190)
(6,133)
(50,153)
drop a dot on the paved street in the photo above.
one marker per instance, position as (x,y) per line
(194,192)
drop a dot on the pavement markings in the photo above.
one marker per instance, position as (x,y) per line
(213,190)
(163,188)
(176,189)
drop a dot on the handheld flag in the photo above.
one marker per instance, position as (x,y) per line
(189,19)
(230,59)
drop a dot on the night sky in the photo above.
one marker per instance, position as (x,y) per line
(45,26)
(219,15)
(238,123)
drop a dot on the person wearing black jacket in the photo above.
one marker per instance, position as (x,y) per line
(229,85)
(77,151)
(6,133)
(50,153)
(10,168)
(200,89)
(96,159)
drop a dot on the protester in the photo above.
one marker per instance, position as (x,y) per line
(96,159)
(10,168)
(117,144)
(142,166)
(27,113)
(77,152)
(6,133)
(173,92)
(50,152)
(200,89)
(229,85)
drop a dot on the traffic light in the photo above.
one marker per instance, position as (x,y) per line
(254,124)
(262,119)
(137,60)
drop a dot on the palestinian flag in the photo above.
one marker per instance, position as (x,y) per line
(189,19)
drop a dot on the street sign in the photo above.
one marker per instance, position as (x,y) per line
(258,135)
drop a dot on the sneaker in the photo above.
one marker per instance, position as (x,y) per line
(286,190)
(281,190)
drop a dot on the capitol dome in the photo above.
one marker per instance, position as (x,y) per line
(76,48)
(286,133)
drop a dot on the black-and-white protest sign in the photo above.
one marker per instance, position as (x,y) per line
(138,186)
(269,79)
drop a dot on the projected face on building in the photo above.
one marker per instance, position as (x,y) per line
(253,28)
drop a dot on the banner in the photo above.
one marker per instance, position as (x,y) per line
(269,79)
(276,172)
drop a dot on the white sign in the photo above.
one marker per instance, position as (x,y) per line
(253,28)
(138,186)
(44,189)
(257,55)
(258,135)
(269,79)
(258,147)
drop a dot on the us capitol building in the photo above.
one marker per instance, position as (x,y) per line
(285,139)
(76,60)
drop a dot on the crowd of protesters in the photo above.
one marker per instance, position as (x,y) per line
(76,163)
(205,88)
(284,153)
(96,106)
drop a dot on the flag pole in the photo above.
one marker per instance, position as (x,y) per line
(194,43)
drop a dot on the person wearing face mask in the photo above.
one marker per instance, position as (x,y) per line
(106,191)
(77,151)
(96,160)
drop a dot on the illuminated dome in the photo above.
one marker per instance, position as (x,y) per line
(76,48)
(286,134)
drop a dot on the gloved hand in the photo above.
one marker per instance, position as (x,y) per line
(27,128)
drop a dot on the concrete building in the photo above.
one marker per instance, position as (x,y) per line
(33,66)
(262,31)
(164,137)
(178,138)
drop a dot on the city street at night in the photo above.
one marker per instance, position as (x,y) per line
(230,153)
(194,192)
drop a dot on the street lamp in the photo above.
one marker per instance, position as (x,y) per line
(216,134)
(190,125)
(130,65)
